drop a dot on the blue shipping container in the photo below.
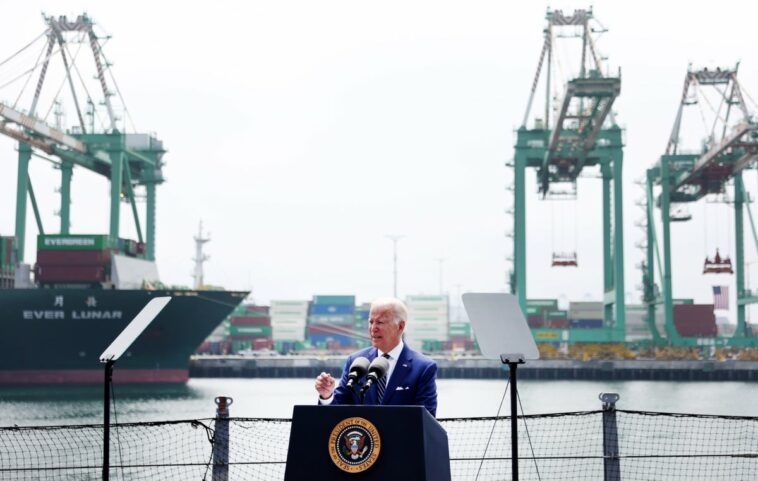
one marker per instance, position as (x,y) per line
(343,320)
(586,323)
(331,309)
(339,338)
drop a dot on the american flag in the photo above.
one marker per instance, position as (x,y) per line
(721,297)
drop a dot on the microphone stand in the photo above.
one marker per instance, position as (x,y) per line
(360,392)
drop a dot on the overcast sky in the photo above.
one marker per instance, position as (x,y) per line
(302,133)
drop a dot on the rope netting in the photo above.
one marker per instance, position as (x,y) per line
(563,446)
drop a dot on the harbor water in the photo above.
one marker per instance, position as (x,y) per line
(275,398)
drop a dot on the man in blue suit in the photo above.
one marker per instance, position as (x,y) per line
(411,377)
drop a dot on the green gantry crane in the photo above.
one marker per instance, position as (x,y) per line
(687,177)
(582,133)
(128,160)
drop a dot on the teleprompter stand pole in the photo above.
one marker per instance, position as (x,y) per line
(107,418)
(111,354)
(513,360)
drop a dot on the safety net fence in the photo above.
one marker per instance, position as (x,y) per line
(587,445)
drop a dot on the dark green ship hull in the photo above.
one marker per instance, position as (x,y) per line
(50,336)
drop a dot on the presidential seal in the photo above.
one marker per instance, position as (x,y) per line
(354,445)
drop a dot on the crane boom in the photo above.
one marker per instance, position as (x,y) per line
(45,135)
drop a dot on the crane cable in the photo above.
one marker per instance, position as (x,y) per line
(705,228)
(696,86)
(746,94)
(81,80)
(118,91)
(23,48)
(729,225)
(63,82)
(552,230)
(576,224)
(28,77)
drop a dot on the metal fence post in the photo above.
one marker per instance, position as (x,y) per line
(221,439)
(611,462)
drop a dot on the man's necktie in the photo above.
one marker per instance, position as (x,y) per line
(382,384)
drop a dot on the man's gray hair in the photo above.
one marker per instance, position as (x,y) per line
(398,307)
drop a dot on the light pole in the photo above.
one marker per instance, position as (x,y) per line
(394,239)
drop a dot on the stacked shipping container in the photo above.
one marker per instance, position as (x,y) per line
(586,315)
(80,258)
(7,262)
(428,321)
(361,325)
(537,309)
(250,328)
(331,321)
(695,320)
(288,319)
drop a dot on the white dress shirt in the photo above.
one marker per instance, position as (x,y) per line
(394,355)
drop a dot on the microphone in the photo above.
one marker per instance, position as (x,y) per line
(358,369)
(376,371)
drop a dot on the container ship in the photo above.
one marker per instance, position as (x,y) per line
(85,293)
(59,313)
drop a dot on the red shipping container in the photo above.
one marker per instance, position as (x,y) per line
(695,320)
(250,321)
(693,330)
(258,309)
(558,323)
(330,329)
(535,320)
(70,273)
(67,258)
(694,312)
(459,339)
(262,343)
(8,246)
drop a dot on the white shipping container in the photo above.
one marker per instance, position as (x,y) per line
(288,311)
(427,325)
(289,317)
(588,305)
(428,319)
(426,300)
(428,309)
(290,329)
(285,336)
(289,307)
(428,332)
(427,336)
(290,303)
(288,322)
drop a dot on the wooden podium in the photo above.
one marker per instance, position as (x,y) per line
(366,443)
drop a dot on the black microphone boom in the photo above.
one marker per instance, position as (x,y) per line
(358,369)
(376,371)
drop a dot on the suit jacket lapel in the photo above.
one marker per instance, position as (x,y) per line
(402,368)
